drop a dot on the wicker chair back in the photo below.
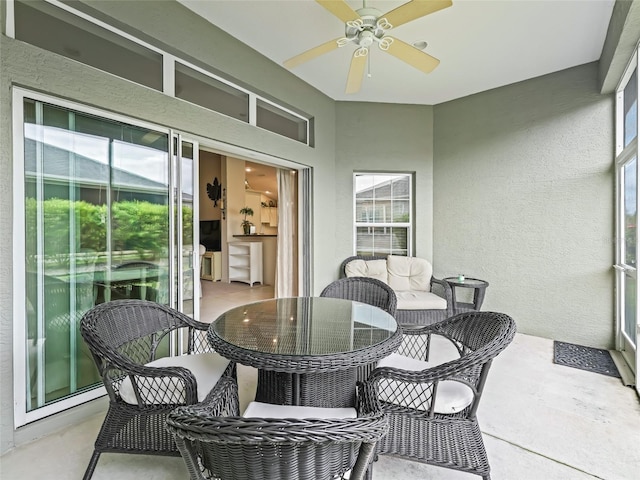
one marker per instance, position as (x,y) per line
(365,290)
(239,448)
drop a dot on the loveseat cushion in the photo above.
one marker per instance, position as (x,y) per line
(268,410)
(420,300)
(207,368)
(409,273)
(367,268)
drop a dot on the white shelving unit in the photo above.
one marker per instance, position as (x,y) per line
(245,262)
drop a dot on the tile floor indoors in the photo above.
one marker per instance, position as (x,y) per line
(540,421)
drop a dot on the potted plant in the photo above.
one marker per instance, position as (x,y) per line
(246,224)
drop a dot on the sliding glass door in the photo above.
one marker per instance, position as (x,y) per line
(185,159)
(627,218)
(106,212)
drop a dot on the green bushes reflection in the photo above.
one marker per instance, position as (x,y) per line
(138,226)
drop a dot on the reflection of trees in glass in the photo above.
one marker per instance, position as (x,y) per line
(140,226)
(630,238)
(136,225)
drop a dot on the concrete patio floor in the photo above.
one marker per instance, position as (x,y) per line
(540,421)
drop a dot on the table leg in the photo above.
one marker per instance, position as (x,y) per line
(295,389)
(324,389)
(478,297)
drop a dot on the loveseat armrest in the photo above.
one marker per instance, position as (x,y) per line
(443,289)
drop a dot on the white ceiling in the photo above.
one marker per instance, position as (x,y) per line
(481,44)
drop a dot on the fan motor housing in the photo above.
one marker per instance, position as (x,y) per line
(365,31)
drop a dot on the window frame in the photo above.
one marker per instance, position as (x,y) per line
(168,74)
(408,225)
(626,275)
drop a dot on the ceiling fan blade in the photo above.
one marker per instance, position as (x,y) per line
(340,9)
(311,53)
(411,55)
(414,9)
(356,71)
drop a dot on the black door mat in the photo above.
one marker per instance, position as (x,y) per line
(585,358)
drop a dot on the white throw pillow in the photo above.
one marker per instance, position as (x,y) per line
(207,368)
(409,273)
(367,268)
(268,410)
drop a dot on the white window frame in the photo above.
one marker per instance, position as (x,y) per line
(408,225)
(622,270)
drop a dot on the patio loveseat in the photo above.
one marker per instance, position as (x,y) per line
(422,298)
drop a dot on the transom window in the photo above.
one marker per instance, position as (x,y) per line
(383,213)
(61,29)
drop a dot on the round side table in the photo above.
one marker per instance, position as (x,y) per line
(478,286)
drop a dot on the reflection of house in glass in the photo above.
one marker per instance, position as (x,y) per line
(383,214)
(91,178)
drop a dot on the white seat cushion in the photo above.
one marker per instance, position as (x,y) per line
(420,300)
(268,410)
(367,268)
(452,396)
(409,273)
(207,368)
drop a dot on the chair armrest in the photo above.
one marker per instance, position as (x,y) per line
(448,295)
(367,400)
(222,401)
(162,385)
(467,367)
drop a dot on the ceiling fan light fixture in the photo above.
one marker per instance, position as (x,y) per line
(420,44)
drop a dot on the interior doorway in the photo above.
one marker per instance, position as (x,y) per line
(227,186)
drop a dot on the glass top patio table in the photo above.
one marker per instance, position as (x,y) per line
(307,349)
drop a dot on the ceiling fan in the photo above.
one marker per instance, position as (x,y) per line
(366,26)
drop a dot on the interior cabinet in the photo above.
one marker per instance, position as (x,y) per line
(245,262)
(211,268)
(269,215)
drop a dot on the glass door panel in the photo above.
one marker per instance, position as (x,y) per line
(627,218)
(188,286)
(96,229)
(630,201)
(630,308)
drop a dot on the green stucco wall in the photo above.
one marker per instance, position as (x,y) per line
(375,137)
(523,197)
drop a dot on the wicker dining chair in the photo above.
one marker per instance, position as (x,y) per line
(129,342)
(217,443)
(365,290)
(431,387)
